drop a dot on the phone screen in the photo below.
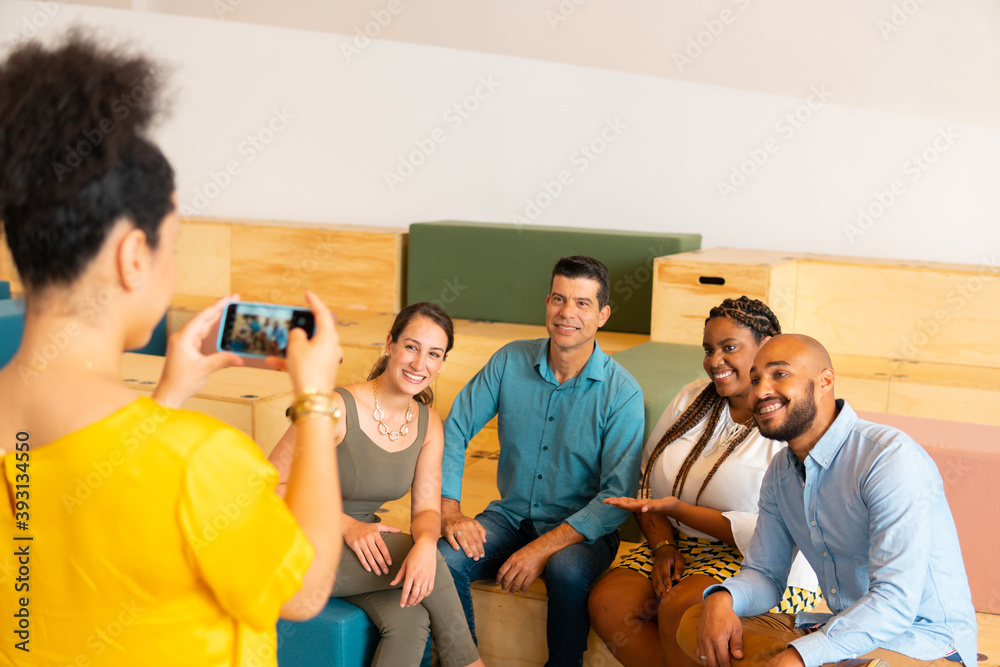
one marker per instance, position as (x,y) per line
(261,329)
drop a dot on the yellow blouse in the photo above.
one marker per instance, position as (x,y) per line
(156,539)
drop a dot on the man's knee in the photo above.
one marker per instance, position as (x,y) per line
(568,569)
(687,631)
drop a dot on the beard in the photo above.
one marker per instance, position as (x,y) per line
(800,419)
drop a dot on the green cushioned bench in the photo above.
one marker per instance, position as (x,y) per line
(500,272)
(662,370)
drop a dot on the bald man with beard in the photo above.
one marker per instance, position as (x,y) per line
(865,504)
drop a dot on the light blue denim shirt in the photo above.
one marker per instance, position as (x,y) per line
(564,448)
(869,513)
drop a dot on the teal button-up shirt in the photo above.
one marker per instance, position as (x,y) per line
(564,448)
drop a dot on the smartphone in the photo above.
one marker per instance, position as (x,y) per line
(261,329)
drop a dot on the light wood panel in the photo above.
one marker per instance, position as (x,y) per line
(943,313)
(946,391)
(353,269)
(358,271)
(685,288)
(875,316)
(863,381)
(203,259)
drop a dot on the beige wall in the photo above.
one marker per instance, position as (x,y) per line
(797,132)
(931,58)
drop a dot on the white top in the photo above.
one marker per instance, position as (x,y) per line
(735,487)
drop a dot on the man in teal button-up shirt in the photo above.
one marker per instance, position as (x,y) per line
(570,422)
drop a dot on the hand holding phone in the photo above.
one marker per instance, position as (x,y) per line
(261,329)
(187,366)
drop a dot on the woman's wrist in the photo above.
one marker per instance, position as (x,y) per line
(661,545)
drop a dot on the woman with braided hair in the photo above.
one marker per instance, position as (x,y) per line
(697,505)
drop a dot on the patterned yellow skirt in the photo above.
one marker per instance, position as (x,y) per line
(719,561)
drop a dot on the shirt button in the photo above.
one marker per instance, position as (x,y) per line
(826,554)
(834,590)
(545,448)
(551,418)
(812,523)
(536,504)
(539,477)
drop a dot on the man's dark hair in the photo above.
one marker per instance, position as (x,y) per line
(74,159)
(581,266)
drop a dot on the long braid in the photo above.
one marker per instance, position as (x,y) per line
(758,318)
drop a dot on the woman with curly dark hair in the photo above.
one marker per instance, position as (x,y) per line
(697,507)
(150,535)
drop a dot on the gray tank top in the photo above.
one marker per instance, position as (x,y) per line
(369,475)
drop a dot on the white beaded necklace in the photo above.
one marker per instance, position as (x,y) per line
(379,416)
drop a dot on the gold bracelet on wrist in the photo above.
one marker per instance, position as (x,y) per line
(659,545)
(313,403)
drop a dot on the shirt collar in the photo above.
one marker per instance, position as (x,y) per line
(824,451)
(592,370)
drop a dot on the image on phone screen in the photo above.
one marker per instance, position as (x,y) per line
(260,329)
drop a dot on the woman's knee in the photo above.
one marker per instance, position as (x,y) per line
(685,594)
(410,624)
(621,596)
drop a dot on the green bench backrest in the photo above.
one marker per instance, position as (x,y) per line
(501,272)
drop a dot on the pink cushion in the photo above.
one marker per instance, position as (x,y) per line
(968,457)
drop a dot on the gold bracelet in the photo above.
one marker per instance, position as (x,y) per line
(313,402)
(659,545)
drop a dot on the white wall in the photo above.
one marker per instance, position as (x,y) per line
(346,124)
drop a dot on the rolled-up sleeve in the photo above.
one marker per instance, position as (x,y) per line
(621,452)
(472,409)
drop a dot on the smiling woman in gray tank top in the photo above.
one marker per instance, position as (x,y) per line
(391,442)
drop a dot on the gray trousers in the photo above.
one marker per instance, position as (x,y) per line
(405,630)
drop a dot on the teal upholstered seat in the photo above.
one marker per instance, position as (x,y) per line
(11,328)
(341,635)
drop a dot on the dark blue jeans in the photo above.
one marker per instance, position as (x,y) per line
(568,576)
